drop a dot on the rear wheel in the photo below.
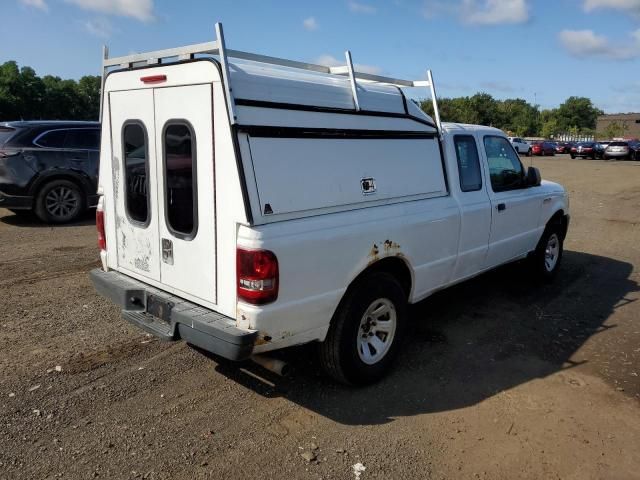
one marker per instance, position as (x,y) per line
(59,201)
(366,331)
(529,153)
(573,156)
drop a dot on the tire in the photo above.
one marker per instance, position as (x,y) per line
(60,201)
(346,354)
(593,156)
(573,156)
(529,154)
(547,257)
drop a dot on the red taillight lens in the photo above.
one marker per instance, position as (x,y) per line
(257,274)
(102,239)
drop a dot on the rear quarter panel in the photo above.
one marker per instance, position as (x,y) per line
(320,256)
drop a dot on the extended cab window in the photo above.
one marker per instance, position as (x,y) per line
(136,161)
(180,179)
(468,163)
(505,168)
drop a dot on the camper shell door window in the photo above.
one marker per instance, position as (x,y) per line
(181,205)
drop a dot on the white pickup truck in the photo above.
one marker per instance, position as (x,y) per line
(255,205)
(520,145)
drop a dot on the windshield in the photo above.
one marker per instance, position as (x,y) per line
(618,144)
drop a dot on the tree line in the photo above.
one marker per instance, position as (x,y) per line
(26,96)
(577,115)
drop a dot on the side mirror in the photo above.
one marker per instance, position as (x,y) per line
(534,179)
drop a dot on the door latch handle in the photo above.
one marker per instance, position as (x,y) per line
(501,207)
(167,251)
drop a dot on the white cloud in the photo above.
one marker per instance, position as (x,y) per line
(139,9)
(632,6)
(331,61)
(357,7)
(480,12)
(100,27)
(39,4)
(494,12)
(310,24)
(586,43)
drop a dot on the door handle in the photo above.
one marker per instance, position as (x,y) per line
(501,207)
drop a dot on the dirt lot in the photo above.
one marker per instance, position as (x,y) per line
(502,378)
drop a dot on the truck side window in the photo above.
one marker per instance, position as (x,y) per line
(136,168)
(180,179)
(505,169)
(468,163)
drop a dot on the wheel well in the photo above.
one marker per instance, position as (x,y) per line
(41,183)
(560,218)
(395,266)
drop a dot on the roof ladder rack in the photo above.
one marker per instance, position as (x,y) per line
(219,49)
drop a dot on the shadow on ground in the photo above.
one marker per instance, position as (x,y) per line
(29,219)
(467,343)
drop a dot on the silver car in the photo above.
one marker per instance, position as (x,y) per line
(618,150)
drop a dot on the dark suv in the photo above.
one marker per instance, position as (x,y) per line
(49,167)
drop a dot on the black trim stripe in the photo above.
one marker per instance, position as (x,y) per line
(332,133)
(243,102)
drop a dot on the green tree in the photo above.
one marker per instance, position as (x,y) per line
(24,95)
(577,112)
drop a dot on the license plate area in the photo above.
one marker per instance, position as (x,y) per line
(159,308)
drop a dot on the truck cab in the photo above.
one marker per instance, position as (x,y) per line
(254,205)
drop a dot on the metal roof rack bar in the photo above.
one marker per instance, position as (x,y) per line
(218,48)
(352,78)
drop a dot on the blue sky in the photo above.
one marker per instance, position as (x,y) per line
(532,49)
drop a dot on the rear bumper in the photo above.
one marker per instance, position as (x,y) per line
(617,154)
(184,320)
(16,202)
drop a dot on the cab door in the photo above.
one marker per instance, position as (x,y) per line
(186,189)
(475,206)
(515,211)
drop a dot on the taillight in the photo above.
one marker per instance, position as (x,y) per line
(154,79)
(8,152)
(102,239)
(257,276)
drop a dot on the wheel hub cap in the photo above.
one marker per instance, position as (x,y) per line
(551,252)
(61,202)
(376,331)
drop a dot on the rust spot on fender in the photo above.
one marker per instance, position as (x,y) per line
(261,340)
(390,245)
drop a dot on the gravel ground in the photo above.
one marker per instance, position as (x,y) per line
(502,377)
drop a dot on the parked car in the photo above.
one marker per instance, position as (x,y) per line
(634,145)
(543,148)
(520,145)
(564,147)
(591,150)
(271,215)
(49,167)
(618,150)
